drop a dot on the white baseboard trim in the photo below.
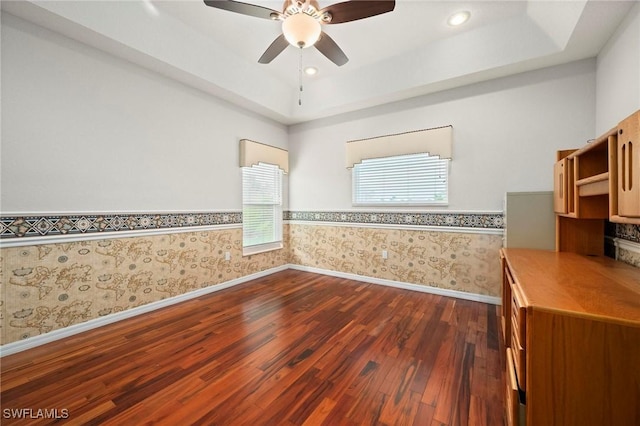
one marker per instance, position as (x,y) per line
(32,342)
(406,286)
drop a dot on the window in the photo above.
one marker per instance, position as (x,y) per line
(414,179)
(261,208)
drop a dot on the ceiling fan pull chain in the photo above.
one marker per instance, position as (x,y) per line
(300,78)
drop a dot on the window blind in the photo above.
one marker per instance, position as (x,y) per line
(261,208)
(417,179)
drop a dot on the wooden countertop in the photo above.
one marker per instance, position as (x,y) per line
(577,284)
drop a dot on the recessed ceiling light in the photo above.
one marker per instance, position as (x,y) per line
(459,18)
(311,70)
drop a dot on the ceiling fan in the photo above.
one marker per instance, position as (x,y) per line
(302,20)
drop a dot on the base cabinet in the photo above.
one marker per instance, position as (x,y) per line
(573,354)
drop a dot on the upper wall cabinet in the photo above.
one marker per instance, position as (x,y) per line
(626,209)
(602,179)
(581,178)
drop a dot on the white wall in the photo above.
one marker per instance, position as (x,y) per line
(506,133)
(83,131)
(618,74)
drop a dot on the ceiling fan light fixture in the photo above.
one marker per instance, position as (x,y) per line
(311,70)
(302,20)
(459,18)
(301,30)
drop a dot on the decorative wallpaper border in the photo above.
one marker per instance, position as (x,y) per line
(628,232)
(18,227)
(56,225)
(12,227)
(446,220)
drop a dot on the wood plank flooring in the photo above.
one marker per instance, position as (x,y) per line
(293,348)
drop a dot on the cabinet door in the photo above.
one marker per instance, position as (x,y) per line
(629,166)
(560,203)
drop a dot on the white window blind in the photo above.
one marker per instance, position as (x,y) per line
(415,179)
(261,208)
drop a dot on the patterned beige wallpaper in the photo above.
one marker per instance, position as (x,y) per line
(625,233)
(630,257)
(455,261)
(52,286)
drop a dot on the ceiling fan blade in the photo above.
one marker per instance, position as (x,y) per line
(243,8)
(278,45)
(330,49)
(357,9)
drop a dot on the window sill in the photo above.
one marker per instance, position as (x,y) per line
(443,204)
(262,248)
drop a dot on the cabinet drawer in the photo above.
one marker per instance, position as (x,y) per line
(506,304)
(519,361)
(512,398)
(518,315)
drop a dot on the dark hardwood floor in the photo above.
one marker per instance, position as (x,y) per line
(293,348)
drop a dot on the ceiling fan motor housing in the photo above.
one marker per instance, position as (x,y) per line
(295,6)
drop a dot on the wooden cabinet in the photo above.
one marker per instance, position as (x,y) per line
(598,182)
(628,171)
(573,346)
(571,318)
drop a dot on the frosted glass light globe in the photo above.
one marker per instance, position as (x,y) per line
(301,30)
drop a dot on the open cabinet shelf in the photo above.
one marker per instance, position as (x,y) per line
(594,185)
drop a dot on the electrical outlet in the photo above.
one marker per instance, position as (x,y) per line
(227,256)
(385,255)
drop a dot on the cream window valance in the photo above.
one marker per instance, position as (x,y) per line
(435,141)
(252,153)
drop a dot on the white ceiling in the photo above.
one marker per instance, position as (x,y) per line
(405,53)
